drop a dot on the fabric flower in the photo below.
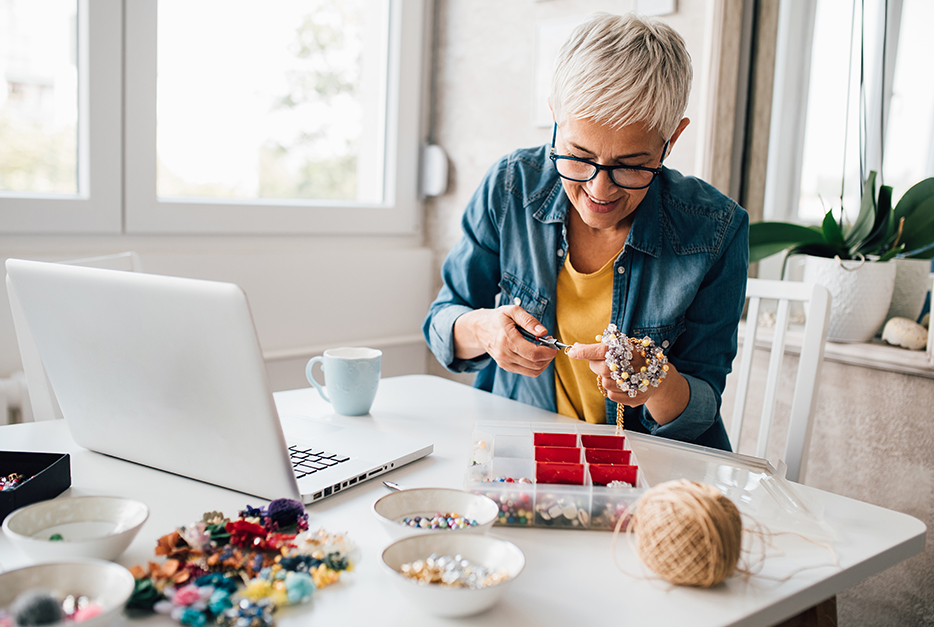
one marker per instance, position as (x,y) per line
(196,536)
(186,595)
(285,512)
(246,534)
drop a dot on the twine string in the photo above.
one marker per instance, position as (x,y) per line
(689,533)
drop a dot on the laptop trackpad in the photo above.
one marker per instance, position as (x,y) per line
(304,428)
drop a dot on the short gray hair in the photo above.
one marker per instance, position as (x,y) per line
(620,70)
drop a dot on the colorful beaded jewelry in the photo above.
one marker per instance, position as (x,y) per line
(619,353)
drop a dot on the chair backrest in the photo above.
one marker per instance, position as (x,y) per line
(816,302)
(42,402)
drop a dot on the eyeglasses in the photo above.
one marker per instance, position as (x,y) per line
(625,176)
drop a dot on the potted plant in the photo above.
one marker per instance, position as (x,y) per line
(852,260)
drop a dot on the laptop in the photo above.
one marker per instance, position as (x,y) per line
(167,372)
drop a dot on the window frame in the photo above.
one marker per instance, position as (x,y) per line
(96,208)
(399,212)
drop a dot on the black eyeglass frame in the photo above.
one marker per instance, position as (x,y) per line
(609,168)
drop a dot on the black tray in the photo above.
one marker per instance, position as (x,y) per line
(50,475)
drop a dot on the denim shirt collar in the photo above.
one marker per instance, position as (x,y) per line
(646,233)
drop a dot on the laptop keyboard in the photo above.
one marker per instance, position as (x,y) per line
(306,461)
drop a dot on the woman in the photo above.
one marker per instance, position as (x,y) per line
(592,230)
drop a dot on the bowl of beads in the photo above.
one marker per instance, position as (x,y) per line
(88,592)
(99,527)
(453,574)
(420,511)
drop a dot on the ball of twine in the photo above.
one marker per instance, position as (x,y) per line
(688,533)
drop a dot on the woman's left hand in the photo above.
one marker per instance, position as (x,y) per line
(595,354)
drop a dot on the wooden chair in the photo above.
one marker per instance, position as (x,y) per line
(42,403)
(816,302)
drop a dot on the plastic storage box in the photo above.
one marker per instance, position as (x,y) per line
(555,475)
(563,475)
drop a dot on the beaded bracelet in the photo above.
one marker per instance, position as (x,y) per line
(618,359)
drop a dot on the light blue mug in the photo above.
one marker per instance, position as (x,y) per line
(351,376)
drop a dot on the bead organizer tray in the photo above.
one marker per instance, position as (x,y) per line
(571,476)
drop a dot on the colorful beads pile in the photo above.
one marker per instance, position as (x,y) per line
(618,359)
(238,573)
(515,508)
(439,520)
(12,480)
(451,571)
(607,514)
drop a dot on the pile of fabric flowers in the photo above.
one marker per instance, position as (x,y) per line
(238,572)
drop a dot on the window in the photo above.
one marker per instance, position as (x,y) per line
(60,148)
(300,116)
(813,120)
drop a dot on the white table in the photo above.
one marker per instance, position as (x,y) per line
(570,577)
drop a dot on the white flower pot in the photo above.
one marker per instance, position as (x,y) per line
(912,283)
(860,294)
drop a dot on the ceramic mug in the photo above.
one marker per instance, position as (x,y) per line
(351,376)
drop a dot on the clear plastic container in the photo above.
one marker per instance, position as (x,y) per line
(556,476)
(564,475)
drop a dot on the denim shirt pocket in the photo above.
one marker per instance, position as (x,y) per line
(664,335)
(515,292)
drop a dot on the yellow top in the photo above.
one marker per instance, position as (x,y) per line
(583,311)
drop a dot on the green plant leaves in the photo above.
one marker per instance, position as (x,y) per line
(833,236)
(867,214)
(916,195)
(919,228)
(768,238)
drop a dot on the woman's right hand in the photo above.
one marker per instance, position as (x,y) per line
(493,332)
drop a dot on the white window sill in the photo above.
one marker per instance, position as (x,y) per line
(875,354)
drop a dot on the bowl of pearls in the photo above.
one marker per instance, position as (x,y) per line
(100,527)
(420,511)
(88,592)
(453,574)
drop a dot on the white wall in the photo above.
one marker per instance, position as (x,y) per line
(306,294)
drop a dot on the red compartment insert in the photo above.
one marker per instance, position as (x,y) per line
(558,454)
(602,474)
(606,456)
(555,472)
(554,439)
(602,441)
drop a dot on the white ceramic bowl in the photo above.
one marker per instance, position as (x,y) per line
(107,584)
(392,508)
(439,600)
(91,526)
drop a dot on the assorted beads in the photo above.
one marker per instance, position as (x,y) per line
(448,520)
(619,354)
(452,571)
(37,607)
(237,573)
(12,480)
(561,512)
(509,480)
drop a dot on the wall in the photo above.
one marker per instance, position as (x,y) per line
(483,78)
(306,294)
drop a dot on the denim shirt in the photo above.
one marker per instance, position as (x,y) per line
(680,279)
